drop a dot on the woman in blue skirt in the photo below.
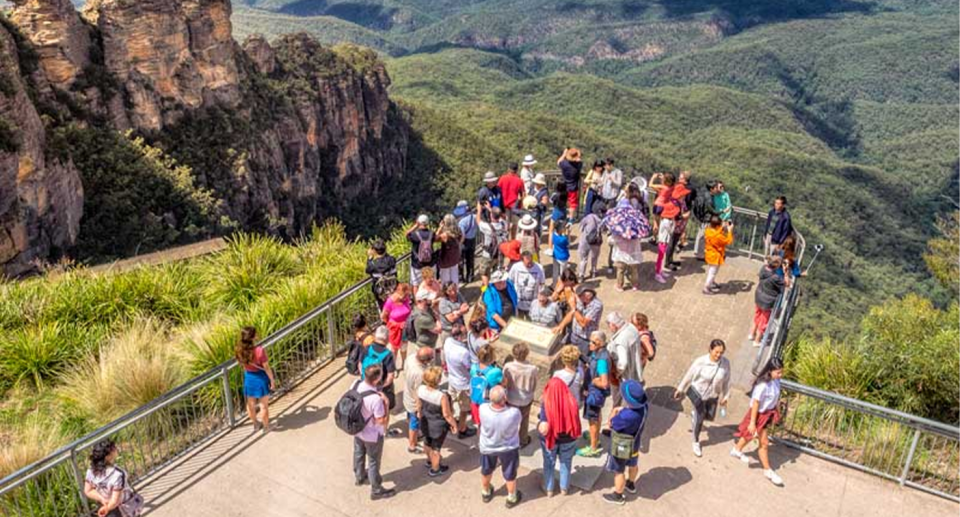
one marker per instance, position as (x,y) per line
(258,378)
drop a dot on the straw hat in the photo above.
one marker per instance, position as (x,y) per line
(527,222)
(489,177)
(539,179)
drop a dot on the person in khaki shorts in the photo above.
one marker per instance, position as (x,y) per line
(457,358)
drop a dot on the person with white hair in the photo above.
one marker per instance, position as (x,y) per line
(623,347)
(528,278)
(499,445)
(501,301)
(422,255)
(526,173)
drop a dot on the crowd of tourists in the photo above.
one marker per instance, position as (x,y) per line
(452,382)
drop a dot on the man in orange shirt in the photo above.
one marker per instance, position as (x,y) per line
(511,188)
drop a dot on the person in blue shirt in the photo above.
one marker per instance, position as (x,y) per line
(468,227)
(628,419)
(561,250)
(500,299)
(597,388)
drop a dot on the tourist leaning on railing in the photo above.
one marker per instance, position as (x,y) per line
(109,485)
(769,288)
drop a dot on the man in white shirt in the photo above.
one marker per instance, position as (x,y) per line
(527,175)
(624,345)
(457,358)
(610,183)
(499,445)
(528,278)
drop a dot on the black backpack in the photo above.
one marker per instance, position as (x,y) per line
(410,330)
(703,206)
(348,413)
(355,353)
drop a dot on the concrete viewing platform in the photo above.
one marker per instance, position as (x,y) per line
(303,467)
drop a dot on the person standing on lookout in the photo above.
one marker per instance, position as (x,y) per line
(610,183)
(570,167)
(511,187)
(527,174)
(500,444)
(489,194)
(468,229)
(528,278)
(626,426)
(778,226)
(422,255)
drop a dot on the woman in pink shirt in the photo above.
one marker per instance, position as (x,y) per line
(395,312)
(258,380)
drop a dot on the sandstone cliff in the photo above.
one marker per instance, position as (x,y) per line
(284,134)
(40,198)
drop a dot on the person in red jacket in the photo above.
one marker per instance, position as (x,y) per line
(511,187)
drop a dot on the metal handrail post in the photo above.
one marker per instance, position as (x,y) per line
(331,328)
(909,460)
(753,235)
(227,397)
(80,482)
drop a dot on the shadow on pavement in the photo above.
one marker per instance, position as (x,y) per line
(656,482)
(301,417)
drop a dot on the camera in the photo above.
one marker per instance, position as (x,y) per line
(818,247)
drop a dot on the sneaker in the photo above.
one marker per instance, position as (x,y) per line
(773,477)
(395,432)
(467,433)
(589,452)
(439,472)
(564,492)
(661,280)
(620,289)
(514,499)
(707,291)
(714,287)
(756,344)
(383,493)
(697,450)
(256,426)
(487,496)
(665,272)
(739,455)
(631,487)
(415,450)
(615,498)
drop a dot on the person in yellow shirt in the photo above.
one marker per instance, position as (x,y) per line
(717,237)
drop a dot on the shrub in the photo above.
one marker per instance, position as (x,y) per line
(251,266)
(133,368)
(28,442)
(35,355)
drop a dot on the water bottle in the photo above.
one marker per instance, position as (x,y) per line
(723,411)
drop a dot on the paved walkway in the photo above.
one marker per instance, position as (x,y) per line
(303,467)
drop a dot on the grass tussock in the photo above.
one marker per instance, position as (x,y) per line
(133,368)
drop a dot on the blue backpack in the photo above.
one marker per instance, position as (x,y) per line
(372,357)
(482,380)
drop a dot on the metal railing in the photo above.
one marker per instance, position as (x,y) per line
(155,435)
(910,450)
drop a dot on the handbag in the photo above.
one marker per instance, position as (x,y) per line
(697,400)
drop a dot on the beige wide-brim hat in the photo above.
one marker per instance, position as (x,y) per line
(539,179)
(489,177)
(528,160)
(527,222)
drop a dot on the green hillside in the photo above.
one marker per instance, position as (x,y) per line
(761,146)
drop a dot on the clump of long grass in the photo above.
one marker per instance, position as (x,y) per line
(250,267)
(35,355)
(26,443)
(133,368)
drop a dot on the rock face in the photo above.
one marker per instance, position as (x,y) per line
(41,199)
(58,35)
(320,133)
(168,56)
